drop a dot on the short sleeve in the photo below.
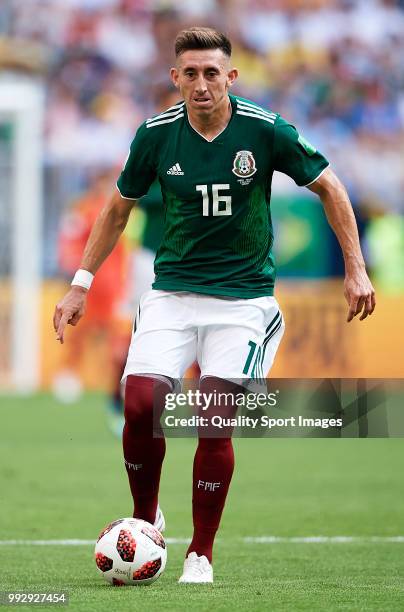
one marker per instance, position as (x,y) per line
(295,156)
(139,170)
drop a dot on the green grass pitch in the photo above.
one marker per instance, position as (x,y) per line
(62,477)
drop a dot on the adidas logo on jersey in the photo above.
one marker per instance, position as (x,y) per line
(176,169)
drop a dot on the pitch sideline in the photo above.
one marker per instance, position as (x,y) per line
(246,540)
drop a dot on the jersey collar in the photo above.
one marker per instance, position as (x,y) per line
(232,102)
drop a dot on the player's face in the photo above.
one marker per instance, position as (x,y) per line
(203,78)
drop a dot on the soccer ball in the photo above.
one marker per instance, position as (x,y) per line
(130,551)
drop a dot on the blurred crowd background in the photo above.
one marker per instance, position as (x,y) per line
(333,68)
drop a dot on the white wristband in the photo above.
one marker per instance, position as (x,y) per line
(83,278)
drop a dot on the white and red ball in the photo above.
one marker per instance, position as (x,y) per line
(130,552)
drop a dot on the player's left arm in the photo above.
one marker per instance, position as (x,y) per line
(358,290)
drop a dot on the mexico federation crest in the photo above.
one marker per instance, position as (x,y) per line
(244,164)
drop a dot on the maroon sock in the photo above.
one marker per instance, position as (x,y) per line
(213,469)
(143,453)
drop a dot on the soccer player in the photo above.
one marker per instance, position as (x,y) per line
(214,155)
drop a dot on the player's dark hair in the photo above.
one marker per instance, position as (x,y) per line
(201,38)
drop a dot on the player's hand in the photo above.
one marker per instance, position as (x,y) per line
(359,293)
(69,310)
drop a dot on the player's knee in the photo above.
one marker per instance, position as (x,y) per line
(215,446)
(143,398)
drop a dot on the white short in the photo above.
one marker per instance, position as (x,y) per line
(142,273)
(230,338)
(139,280)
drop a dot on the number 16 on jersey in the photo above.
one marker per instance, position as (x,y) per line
(221,204)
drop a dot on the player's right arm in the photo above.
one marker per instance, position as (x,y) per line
(104,235)
(135,180)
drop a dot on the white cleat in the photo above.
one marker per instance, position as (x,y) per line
(196,570)
(159,522)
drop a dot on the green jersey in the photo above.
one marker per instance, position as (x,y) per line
(152,205)
(218,230)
